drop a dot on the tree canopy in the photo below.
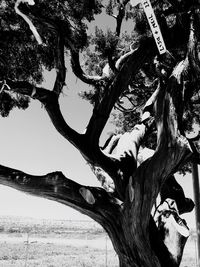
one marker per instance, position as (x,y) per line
(153,99)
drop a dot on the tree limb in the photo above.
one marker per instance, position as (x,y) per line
(121,81)
(120,16)
(172,150)
(78,71)
(28,21)
(63,31)
(60,66)
(59,49)
(192,52)
(111,143)
(50,100)
(123,58)
(55,186)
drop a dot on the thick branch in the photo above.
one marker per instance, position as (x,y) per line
(50,100)
(91,201)
(124,148)
(53,109)
(121,81)
(171,143)
(172,150)
(119,63)
(28,89)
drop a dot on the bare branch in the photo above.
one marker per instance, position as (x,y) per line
(123,58)
(50,100)
(129,99)
(53,109)
(28,21)
(60,66)
(111,143)
(149,106)
(28,89)
(92,201)
(59,27)
(123,109)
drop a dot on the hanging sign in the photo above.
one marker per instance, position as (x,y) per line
(153,23)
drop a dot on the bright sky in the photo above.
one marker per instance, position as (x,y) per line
(30,143)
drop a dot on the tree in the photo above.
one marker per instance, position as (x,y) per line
(155,96)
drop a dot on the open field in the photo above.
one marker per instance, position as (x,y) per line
(44,243)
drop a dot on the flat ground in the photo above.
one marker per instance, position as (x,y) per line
(44,243)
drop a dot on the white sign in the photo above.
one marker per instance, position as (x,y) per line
(153,24)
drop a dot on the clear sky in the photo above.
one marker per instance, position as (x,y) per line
(30,143)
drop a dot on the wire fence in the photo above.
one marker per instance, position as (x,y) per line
(93,235)
(35,242)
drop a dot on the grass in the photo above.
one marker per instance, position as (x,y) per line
(43,243)
(52,255)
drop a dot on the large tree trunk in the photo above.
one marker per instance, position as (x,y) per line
(135,244)
(132,250)
(136,248)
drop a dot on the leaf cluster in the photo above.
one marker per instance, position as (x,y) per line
(8,101)
(105,42)
(21,58)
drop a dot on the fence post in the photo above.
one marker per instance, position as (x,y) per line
(195,177)
(106,252)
